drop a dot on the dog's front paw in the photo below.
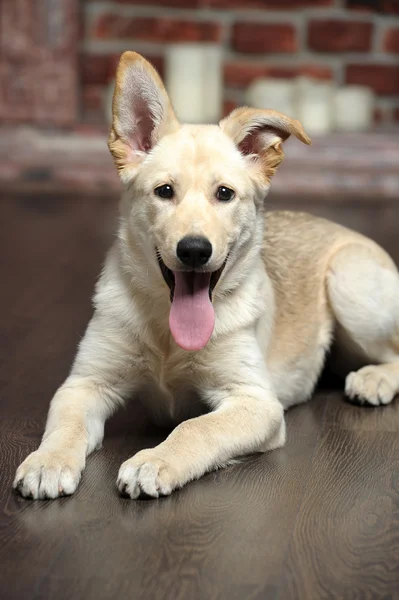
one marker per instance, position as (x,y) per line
(147,475)
(47,474)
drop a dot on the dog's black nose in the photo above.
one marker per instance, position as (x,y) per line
(194,251)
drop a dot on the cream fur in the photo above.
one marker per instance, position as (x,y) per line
(291,283)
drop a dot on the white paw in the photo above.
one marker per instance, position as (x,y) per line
(146,474)
(370,385)
(46,474)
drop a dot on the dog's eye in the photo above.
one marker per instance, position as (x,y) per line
(164,191)
(224,194)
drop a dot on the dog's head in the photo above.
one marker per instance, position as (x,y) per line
(194,192)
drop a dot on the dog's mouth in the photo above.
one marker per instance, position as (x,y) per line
(190,276)
(192,317)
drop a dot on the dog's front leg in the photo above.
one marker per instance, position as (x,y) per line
(246,418)
(105,372)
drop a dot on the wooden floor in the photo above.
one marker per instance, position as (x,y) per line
(316,519)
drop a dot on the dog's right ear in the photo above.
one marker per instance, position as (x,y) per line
(141,113)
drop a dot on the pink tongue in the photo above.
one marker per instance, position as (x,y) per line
(192,317)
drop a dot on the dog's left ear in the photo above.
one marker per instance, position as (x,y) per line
(141,113)
(259,134)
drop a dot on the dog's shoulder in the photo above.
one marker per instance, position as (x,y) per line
(296,237)
(299,238)
(284,227)
(297,249)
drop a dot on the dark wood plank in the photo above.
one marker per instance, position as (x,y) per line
(213,530)
(51,252)
(343,415)
(345,542)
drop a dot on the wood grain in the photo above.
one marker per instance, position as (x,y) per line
(316,519)
(346,536)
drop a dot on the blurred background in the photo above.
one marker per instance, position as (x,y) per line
(332,63)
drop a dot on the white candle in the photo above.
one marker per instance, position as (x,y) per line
(194,81)
(315,106)
(277,94)
(354,108)
(302,86)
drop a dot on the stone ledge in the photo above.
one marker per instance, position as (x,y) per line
(361,166)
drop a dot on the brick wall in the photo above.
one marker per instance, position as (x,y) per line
(349,41)
(39,66)
(44,79)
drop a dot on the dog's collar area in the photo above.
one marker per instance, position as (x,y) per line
(170,278)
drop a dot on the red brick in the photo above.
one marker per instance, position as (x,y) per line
(99,69)
(241,74)
(363,5)
(316,71)
(381,6)
(334,35)
(259,38)
(171,3)
(390,6)
(92,103)
(267,4)
(391,40)
(383,79)
(113,26)
(228,106)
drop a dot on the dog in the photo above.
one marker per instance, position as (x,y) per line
(215,312)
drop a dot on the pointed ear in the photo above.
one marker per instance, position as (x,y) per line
(141,112)
(259,134)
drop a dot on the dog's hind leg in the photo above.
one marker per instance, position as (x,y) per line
(363,289)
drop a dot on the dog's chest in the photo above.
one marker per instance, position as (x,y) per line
(170,405)
(173,394)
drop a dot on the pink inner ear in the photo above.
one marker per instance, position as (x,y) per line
(261,138)
(251,144)
(141,137)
